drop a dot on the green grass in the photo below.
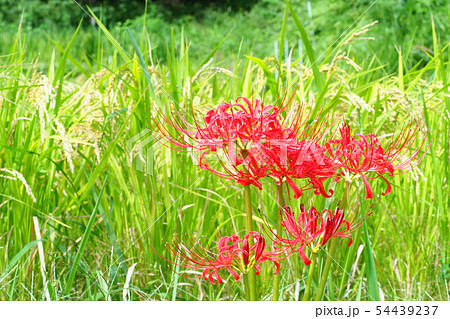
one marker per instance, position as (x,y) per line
(105,215)
(402,25)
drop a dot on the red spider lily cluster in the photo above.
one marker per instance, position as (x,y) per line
(310,229)
(233,254)
(258,141)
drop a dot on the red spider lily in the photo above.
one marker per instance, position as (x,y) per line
(312,230)
(304,159)
(230,127)
(247,133)
(360,154)
(233,254)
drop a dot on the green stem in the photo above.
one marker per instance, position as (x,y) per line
(246,288)
(346,197)
(280,200)
(248,211)
(248,208)
(310,276)
(345,201)
(323,279)
(334,241)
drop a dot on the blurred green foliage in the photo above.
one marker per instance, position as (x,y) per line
(66,13)
(402,24)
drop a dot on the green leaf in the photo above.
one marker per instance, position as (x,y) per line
(125,56)
(269,75)
(371,271)
(59,74)
(143,66)
(309,49)
(16,258)
(84,241)
(71,59)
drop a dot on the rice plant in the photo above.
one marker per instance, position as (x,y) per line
(96,206)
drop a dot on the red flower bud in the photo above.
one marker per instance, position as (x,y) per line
(260,246)
(245,251)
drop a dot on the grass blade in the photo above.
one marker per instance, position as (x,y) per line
(84,242)
(214,50)
(16,258)
(125,56)
(371,271)
(309,49)
(126,286)
(143,65)
(59,74)
(269,75)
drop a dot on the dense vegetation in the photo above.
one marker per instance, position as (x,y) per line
(403,25)
(74,101)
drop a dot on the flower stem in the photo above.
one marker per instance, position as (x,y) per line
(345,199)
(248,211)
(280,200)
(246,288)
(323,279)
(310,276)
(334,241)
